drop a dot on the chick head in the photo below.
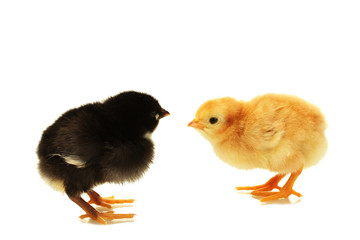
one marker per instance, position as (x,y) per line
(134,112)
(214,117)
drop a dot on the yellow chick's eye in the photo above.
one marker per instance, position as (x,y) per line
(213,120)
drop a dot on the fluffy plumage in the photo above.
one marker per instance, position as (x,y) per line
(98,143)
(280,133)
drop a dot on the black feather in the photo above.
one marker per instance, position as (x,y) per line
(100,142)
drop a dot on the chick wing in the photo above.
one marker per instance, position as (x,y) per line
(265,127)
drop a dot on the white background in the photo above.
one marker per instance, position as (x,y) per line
(56,55)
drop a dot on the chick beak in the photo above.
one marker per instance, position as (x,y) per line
(163,113)
(196,124)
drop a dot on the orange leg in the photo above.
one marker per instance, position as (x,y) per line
(105,202)
(94,214)
(284,192)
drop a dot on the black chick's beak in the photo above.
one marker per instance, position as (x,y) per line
(163,113)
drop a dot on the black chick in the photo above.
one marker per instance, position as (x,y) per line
(98,143)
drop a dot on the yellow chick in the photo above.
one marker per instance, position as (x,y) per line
(280,133)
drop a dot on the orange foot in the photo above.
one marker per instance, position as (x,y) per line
(265,189)
(268,186)
(92,213)
(105,202)
(102,217)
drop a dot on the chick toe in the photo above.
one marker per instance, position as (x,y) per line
(270,193)
(275,195)
(102,217)
(95,198)
(111,200)
(268,186)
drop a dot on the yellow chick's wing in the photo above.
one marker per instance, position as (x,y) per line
(264,127)
(287,130)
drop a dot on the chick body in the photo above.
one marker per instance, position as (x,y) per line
(98,143)
(277,132)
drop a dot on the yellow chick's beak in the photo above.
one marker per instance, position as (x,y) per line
(196,124)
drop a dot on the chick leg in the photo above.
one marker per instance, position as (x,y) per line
(94,214)
(285,191)
(105,202)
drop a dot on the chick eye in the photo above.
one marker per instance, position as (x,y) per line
(157,116)
(213,120)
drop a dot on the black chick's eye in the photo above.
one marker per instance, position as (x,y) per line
(213,120)
(155,115)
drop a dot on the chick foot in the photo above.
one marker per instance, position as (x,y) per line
(92,213)
(272,196)
(284,192)
(265,189)
(268,186)
(102,217)
(269,193)
(95,198)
